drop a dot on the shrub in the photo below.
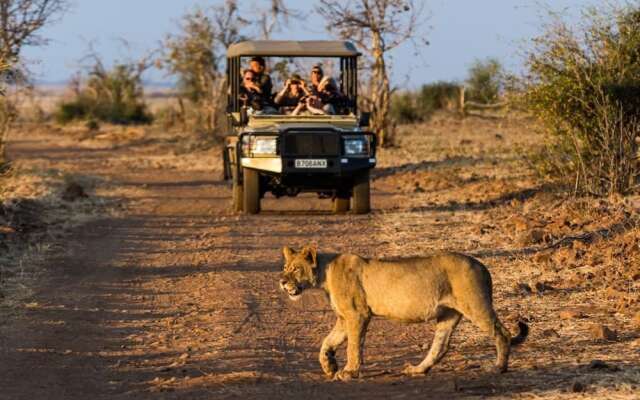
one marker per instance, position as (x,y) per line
(403,108)
(114,96)
(418,106)
(438,96)
(484,82)
(584,86)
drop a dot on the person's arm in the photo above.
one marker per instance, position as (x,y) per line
(305,89)
(299,108)
(281,94)
(254,87)
(314,110)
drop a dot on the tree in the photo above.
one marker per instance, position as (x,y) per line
(484,83)
(377,27)
(20,21)
(272,18)
(583,85)
(195,56)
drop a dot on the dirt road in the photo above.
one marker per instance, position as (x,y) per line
(175,297)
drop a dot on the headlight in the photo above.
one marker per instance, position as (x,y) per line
(356,146)
(262,145)
(259,145)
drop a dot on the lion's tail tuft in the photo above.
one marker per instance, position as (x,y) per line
(523,332)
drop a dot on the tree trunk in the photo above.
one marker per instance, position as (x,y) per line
(6,117)
(381,92)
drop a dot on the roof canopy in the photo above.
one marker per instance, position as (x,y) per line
(293,48)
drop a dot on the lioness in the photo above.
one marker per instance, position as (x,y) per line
(443,286)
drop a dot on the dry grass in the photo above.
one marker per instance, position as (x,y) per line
(34,220)
(566,265)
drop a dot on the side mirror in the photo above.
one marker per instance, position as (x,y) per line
(244,116)
(364,119)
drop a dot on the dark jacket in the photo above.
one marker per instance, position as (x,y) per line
(264,81)
(253,99)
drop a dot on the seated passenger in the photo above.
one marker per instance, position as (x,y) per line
(326,101)
(262,79)
(331,97)
(316,77)
(291,95)
(310,105)
(252,95)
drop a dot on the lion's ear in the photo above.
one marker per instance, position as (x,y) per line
(310,253)
(287,253)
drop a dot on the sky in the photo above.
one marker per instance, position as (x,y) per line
(459,32)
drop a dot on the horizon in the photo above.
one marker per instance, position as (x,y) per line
(499,32)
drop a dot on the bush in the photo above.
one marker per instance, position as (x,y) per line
(584,87)
(403,108)
(115,96)
(412,107)
(438,96)
(484,83)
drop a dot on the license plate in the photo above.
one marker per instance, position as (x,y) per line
(306,163)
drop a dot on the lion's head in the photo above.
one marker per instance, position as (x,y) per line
(300,271)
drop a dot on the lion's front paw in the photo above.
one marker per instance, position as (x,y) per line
(413,370)
(499,369)
(329,364)
(346,375)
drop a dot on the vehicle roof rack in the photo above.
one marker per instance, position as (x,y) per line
(293,48)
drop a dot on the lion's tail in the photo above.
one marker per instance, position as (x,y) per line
(523,332)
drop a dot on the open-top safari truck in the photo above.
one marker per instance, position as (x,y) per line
(286,155)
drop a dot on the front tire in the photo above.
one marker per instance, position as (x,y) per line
(251,191)
(226,165)
(361,194)
(237,196)
(340,205)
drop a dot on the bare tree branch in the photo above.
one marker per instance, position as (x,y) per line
(20,20)
(274,17)
(377,27)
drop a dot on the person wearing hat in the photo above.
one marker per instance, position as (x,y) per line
(316,77)
(262,79)
(291,94)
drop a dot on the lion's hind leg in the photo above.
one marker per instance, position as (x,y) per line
(487,321)
(447,321)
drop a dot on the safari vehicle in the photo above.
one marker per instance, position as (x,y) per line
(286,155)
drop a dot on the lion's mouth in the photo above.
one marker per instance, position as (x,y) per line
(295,297)
(294,293)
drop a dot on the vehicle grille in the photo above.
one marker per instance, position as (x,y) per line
(316,144)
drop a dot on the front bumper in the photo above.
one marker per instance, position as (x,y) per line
(336,166)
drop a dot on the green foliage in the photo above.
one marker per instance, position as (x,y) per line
(585,88)
(484,82)
(418,106)
(195,56)
(438,96)
(114,96)
(190,56)
(403,108)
